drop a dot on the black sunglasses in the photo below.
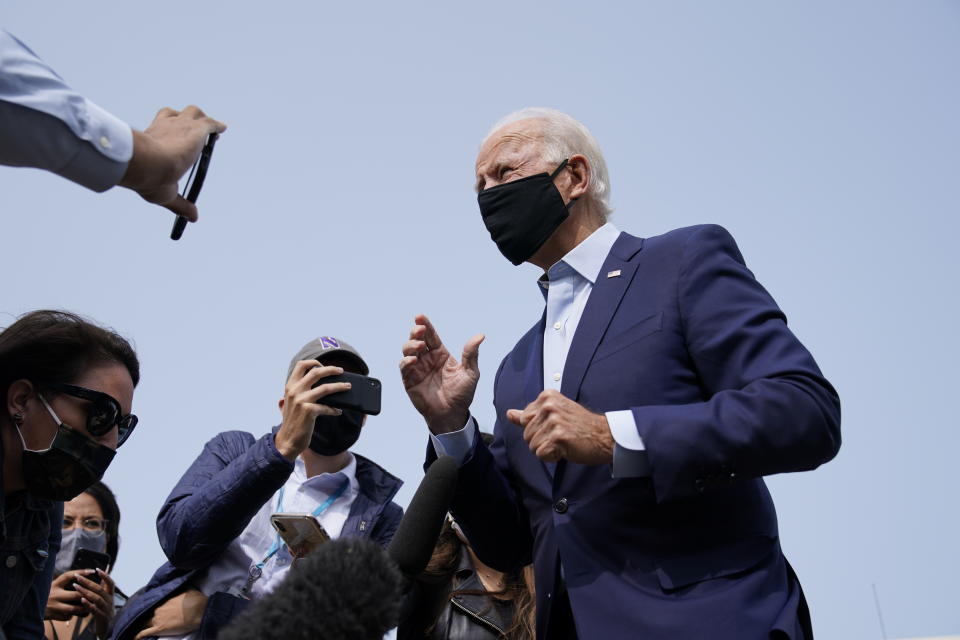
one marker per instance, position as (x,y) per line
(104,412)
(191,190)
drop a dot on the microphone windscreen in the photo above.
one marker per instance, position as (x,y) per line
(413,543)
(347,589)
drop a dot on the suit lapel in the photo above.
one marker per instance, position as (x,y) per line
(532,379)
(604,300)
(601,305)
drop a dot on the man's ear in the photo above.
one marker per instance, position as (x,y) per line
(18,393)
(578,170)
(280,404)
(364,421)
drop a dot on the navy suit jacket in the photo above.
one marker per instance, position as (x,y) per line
(722,394)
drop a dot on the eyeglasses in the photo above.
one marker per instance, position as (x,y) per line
(90,524)
(191,190)
(104,412)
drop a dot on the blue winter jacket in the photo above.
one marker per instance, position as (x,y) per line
(218,496)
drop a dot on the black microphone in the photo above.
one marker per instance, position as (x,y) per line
(347,589)
(413,543)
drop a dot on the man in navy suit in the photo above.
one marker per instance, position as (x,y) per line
(635,421)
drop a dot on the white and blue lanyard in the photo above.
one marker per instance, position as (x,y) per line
(256,570)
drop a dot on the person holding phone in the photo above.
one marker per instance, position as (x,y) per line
(47,125)
(215,526)
(67,386)
(83,597)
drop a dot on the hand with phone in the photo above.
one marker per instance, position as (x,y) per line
(300,405)
(163,152)
(363,395)
(75,593)
(301,532)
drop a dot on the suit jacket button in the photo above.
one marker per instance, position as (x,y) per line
(560,506)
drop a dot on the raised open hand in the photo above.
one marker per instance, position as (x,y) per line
(440,388)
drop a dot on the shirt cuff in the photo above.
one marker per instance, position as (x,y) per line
(629,454)
(456,444)
(110,135)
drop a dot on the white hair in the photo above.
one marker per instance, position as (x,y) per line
(564,136)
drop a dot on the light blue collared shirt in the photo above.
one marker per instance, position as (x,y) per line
(566,288)
(47,125)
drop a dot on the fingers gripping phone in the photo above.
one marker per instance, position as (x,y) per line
(87,559)
(362,396)
(301,532)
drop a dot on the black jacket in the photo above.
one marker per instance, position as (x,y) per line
(430,612)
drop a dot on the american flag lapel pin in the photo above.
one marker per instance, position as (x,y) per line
(614,274)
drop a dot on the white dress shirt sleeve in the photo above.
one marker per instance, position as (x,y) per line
(456,443)
(629,454)
(47,125)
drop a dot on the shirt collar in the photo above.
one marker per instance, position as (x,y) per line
(328,482)
(586,258)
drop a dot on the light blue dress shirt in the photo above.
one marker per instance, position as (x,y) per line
(566,288)
(46,124)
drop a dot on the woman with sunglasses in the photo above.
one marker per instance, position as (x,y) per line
(83,600)
(67,387)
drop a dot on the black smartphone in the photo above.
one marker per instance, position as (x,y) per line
(363,396)
(88,559)
(191,190)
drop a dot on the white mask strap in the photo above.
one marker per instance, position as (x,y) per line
(56,419)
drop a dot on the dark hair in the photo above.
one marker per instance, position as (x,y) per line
(111,513)
(517,586)
(58,346)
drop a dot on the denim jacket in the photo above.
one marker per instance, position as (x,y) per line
(30,530)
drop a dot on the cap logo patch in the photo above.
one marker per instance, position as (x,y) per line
(329,343)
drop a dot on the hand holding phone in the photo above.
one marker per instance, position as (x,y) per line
(363,395)
(87,559)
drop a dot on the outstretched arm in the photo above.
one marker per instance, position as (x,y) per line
(47,125)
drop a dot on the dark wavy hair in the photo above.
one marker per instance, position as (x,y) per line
(518,586)
(58,346)
(111,513)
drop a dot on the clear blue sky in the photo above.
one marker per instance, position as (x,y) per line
(824,135)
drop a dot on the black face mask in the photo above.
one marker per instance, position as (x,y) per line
(336,434)
(68,468)
(521,215)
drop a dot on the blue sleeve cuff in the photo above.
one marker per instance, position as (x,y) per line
(629,454)
(456,444)
(273,456)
